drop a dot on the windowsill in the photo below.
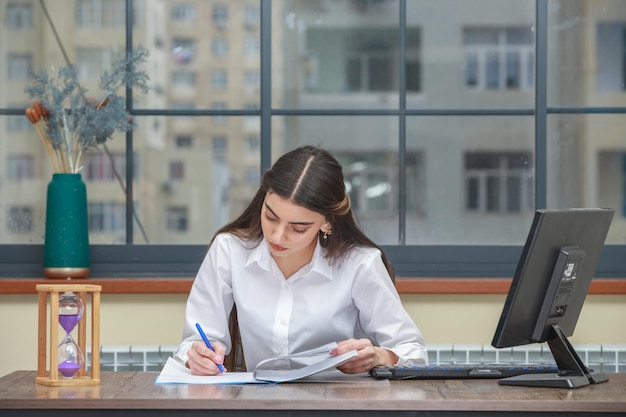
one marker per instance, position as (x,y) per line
(404,285)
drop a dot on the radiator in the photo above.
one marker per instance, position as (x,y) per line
(134,358)
(601,358)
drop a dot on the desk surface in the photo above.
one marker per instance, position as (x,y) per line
(134,393)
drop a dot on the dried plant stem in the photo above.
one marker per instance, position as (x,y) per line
(66,154)
(61,157)
(76,156)
(47,143)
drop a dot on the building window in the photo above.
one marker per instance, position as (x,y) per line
(19,66)
(100,13)
(219,80)
(219,106)
(369,69)
(251,17)
(611,56)
(371,181)
(183,13)
(99,167)
(251,46)
(498,182)
(183,141)
(20,219)
(19,16)
(184,78)
(20,167)
(368,60)
(183,50)
(177,219)
(220,145)
(219,47)
(107,217)
(499,58)
(220,16)
(177,170)
(415,183)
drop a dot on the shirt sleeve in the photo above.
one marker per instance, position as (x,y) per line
(210,300)
(382,316)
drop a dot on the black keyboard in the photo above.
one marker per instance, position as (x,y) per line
(463,371)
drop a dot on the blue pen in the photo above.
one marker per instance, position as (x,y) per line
(208,344)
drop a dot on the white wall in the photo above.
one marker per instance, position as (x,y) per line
(158,319)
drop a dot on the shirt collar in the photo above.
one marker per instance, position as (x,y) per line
(260,255)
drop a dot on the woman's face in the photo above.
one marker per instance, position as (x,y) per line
(288,228)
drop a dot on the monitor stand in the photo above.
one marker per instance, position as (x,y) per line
(572,371)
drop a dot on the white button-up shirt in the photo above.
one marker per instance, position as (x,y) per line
(319,304)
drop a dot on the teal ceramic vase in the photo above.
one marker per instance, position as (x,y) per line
(66,243)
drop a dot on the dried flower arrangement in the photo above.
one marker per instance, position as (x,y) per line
(69,123)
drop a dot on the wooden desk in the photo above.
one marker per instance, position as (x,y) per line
(135,394)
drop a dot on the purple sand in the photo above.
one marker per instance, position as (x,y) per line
(68,321)
(68,368)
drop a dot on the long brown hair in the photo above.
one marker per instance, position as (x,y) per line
(312,178)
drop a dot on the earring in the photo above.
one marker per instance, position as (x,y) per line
(327,232)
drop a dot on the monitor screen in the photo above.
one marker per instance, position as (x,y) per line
(549,288)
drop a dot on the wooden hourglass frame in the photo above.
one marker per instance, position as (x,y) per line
(51,292)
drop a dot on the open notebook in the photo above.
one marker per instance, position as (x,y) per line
(279,369)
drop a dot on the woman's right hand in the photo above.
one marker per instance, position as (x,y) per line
(203,361)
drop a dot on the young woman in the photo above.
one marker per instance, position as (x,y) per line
(301,274)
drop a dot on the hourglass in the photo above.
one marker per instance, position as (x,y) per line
(70,312)
(67,313)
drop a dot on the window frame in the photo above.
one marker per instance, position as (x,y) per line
(19,16)
(139,260)
(502,49)
(502,172)
(19,66)
(20,166)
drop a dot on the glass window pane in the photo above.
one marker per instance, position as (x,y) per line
(370,170)
(476,58)
(471,69)
(494,194)
(341,55)
(492,71)
(585,168)
(587,76)
(193,187)
(465,176)
(476,176)
(513,70)
(202,56)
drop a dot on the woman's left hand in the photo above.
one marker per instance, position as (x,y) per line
(369,356)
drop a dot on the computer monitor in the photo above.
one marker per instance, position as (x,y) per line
(549,288)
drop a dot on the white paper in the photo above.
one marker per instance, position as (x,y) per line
(175,372)
(300,365)
(284,375)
